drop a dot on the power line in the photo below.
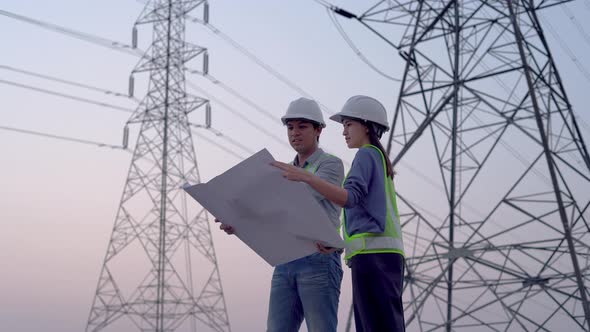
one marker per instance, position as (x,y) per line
(76,34)
(238,114)
(224,136)
(325,4)
(584,123)
(136,52)
(121,46)
(503,143)
(67,96)
(259,62)
(250,55)
(63,138)
(231,140)
(575,22)
(355,49)
(236,94)
(221,147)
(100,144)
(68,82)
(214,131)
(566,48)
(106,145)
(248,120)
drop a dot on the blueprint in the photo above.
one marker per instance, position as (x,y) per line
(277,218)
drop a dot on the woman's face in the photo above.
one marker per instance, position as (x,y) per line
(355,133)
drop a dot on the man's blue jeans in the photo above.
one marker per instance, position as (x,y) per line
(308,288)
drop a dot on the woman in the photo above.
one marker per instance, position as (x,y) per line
(372,231)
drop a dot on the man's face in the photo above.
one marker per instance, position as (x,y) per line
(302,135)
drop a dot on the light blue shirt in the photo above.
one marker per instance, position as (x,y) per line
(331,169)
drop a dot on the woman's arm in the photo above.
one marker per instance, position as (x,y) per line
(332,192)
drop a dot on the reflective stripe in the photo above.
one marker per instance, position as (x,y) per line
(372,243)
(388,241)
(392,210)
(313,167)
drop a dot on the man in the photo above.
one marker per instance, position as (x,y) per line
(308,287)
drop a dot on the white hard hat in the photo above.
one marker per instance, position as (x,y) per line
(304,108)
(363,108)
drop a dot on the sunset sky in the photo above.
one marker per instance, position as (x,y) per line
(58,199)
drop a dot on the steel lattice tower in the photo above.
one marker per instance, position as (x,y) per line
(160,271)
(483,111)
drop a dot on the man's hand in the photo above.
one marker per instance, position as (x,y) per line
(293,173)
(325,250)
(226,228)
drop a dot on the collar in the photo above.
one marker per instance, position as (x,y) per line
(310,160)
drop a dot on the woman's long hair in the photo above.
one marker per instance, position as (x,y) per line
(375,132)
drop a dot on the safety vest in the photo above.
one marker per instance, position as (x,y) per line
(313,167)
(390,241)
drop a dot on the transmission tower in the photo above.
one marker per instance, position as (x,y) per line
(483,112)
(160,271)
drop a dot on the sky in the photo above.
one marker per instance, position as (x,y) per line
(58,199)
